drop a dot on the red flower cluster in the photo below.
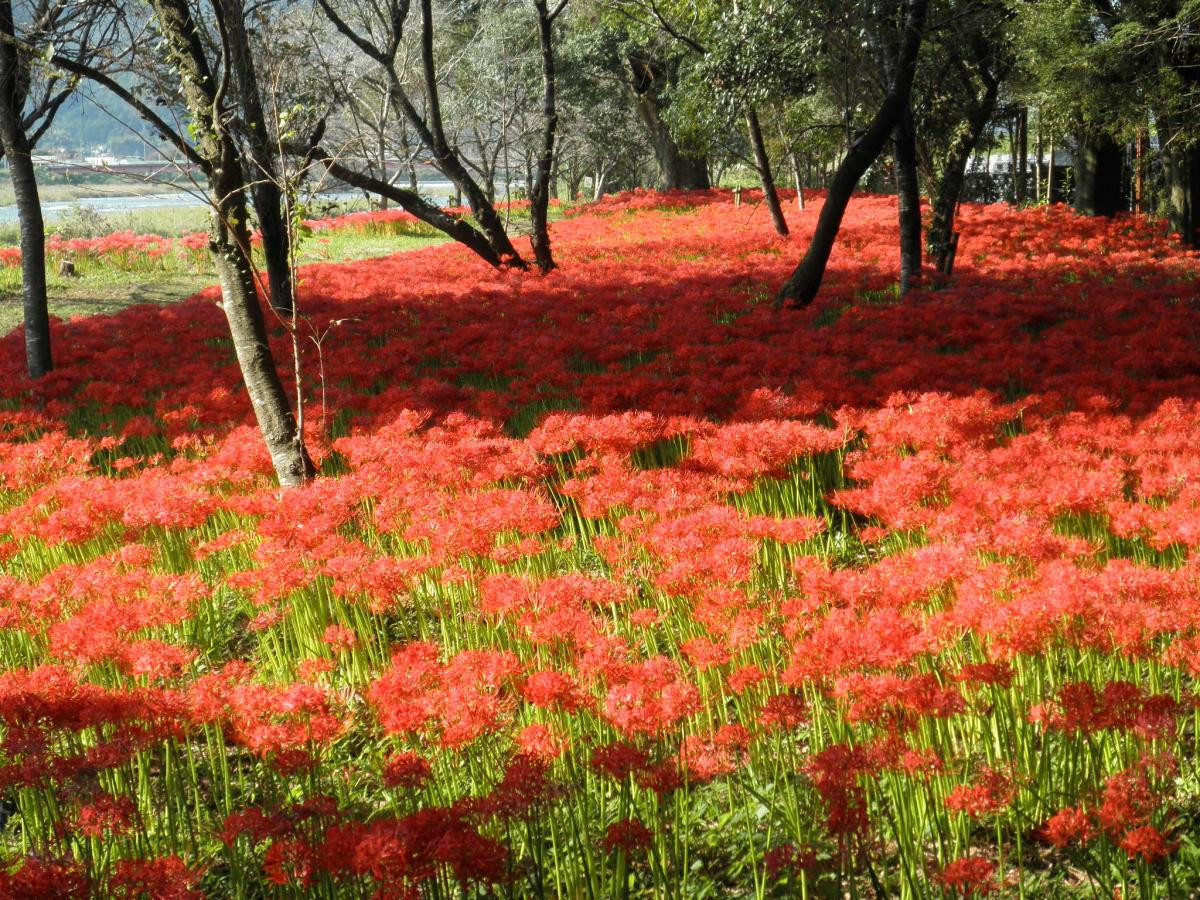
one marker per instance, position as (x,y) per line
(617,570)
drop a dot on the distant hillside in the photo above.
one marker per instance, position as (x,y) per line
(92,118)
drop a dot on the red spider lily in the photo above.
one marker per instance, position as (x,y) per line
(168,877)
(629,836)
(969,876)
(821,559)
(1147,842)
(1067,826)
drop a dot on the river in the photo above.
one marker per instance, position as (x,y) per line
(440,191)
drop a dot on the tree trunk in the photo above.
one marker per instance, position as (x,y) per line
(950,186)
(444,156)
(247,328)
(230,240)
(1050,180)
(804,283)
(429,126)
(763,163)
(539,197)
(1022,154)
(677,170)
(411,202)
(381,147)
(797,173)
(13,89)
(1098,175)
(909,197)
(36,309)
(1181,172)
(1141,146)
(1038,164)
(266,192)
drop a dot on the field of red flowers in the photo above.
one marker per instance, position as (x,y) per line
(620,583)
(126,251)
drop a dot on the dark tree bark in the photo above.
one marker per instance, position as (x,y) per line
(266,191)
(1181,173)
(941,237)
(677,169)
(35,305)
(14,87)
(1179,150)
(205,96)
(762,162)
(802,286)
(539,195)
(1098,165)
(1022,156)
(909,196)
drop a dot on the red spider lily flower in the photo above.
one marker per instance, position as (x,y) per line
(339,638)
(651,698)
(703,759)
(783,712)
(1127,802)
(525,790)
(406,770)
(969,876)
(628,836)
(46,879)
(104,814)
(1067,826)
(990,793)
(618,760)
(837,774)
(1147,842)
(789,859)
(542,742)
(166,877)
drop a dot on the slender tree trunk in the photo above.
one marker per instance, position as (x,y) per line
(798,174)
(1039,163)
(763,163)
(1012,159)
(804,283)
(383,172)
(247,327)
(1022,154)
(540,195)
(265,192)
(1050,174)
(230,240)
(445,157)
(949,188)
(909,197)
(36,309)
(35,306)
(1140,147)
